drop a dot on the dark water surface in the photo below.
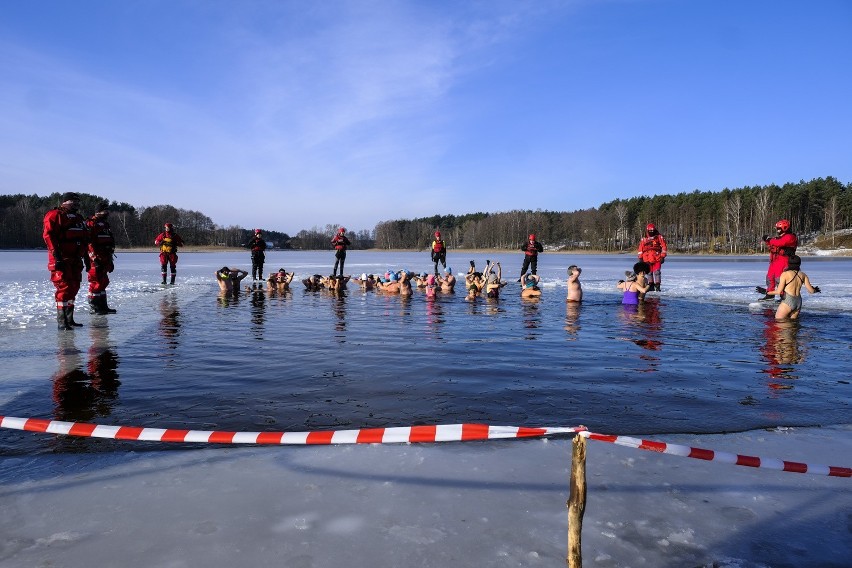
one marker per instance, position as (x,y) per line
(310,361)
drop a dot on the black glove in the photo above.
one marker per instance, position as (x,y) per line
(662,260)
(760,290)
(817,290)
(765,238)
(87,262)
(472,264)
(58,264)
(433,256)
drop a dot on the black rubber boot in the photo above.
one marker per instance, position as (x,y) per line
(94,305)
(173,278)
(69,317)
(164,277)
(61,322)
(104,307)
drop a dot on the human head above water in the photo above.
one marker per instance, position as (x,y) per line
(642,267)
(794,262)
(574,267)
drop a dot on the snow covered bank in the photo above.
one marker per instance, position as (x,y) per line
(461,504)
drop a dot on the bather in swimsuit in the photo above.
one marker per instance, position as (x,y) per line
(795,302)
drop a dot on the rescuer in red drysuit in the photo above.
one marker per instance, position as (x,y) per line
(439,251)
(531,249)
(168,241)
(101,249)
(257,246)
(66,237)
(339,242)
(781,247)
(652,249)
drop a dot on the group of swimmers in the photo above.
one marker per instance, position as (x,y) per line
(489,283)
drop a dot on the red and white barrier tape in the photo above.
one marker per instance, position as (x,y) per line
(724,457)
(409,434)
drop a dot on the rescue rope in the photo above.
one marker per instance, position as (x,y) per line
(401,435)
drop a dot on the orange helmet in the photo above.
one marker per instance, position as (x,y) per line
(783,225)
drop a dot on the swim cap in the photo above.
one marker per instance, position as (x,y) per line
(430,279)
(363,276)
(392,277)
(449,270)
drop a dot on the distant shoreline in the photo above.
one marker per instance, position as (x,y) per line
(218,249)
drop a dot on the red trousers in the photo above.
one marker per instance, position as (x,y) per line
(776,267)
(67,283)
(98,281)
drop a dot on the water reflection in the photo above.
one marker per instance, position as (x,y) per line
(170,323)
(781,351)
(434,317)
(258,310)
(572,320)
(532,317)
(645,326)
(82,396)
(339,306)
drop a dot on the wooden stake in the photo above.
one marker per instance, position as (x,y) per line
(576,502)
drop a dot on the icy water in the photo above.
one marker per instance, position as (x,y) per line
(693,359)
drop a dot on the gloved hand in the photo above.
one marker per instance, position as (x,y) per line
(87,262)
(817,290)
(760,290)
(472,264)
(765,238)
(58,264)
(662,260)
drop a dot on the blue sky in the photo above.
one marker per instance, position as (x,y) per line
(291,114)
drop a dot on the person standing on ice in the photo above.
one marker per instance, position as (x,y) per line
(781,248)
(168,241)
(531,249)
(439,252)
(653,250)
(67,238)
(257,246)
(339,242)
(101,249)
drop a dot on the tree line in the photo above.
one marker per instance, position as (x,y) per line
(728,221)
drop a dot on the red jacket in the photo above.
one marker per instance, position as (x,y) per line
(168,242)
(652,249)
(782,246)
(66,237)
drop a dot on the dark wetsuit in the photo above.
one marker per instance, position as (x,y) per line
(258,256)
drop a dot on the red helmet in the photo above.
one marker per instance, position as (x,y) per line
(438,234)
(257,230)
(532,236)
(783,225)
(651,228)
(341,230)
(169,226)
